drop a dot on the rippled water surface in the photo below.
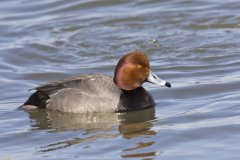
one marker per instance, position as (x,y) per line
(195,45)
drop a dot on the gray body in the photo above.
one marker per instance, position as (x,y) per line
(88,93)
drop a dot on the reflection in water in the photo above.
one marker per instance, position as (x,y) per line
(96,125)
(74,141)
(62,121)
(138,155)
(140,146)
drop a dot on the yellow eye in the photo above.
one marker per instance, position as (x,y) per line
(139,66)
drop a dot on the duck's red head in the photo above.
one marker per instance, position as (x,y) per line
(133,70)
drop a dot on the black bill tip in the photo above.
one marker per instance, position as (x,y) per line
(168,84)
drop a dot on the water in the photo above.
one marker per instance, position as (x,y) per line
(195,45)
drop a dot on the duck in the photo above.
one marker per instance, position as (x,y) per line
(98,92)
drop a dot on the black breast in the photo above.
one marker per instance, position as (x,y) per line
(135,100)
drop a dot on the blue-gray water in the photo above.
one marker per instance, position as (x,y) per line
(195,45)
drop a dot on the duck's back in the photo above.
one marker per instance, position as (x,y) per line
(85,93)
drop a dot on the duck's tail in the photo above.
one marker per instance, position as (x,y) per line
(37,99)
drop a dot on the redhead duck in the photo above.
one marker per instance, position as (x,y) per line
(99,92)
